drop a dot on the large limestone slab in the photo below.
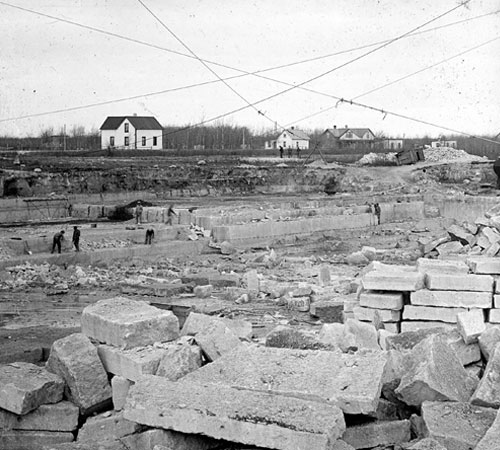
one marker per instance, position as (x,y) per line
(381,300)
(62,416)
(352,382)
(368,314)
(24,387)
(434,374)
(451,299)
(378,433)
(484,266)
(488,390)
(386,280)
(491,439)
(448,315)
(455,425)
(32,440)
(442,266)
(441,282)
(75,359)
(132,363)
(106,427)
(128,323)
(221,412)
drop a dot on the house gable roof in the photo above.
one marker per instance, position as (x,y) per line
(297,135)
(138,122)
(339,132)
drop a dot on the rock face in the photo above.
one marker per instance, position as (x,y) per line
(128,323)
(456,426)
(179,360)
(352,382)
(247,417)
(24,387)
(75,359)
(488,390)
(435,374)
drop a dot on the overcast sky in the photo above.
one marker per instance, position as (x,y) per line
(47,64)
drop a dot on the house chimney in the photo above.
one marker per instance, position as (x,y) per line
(346,126)
(292,128)
(335,127)
(135,114)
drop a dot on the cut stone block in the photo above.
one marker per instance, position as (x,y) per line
(378,433)
(24,387)
(459,233)
(217,340)
(196,323)
(131,363)
(427,444)
(350,304)
(106,445)
(32,440)
(442,266)
(451,299)
(470,325)
(368,314)
(407,340)
(179,360)
(381,300)
(106,427)
(301,304)
(324,277)
(450,248)
(466,353)
(128,323)
(489,340)
(457,426)
(75,359)
(166,439)
(247,417)
(383,335)
(365,334)
(288,337)
(62,416)
(488,392)
(352,382)
(393,281)
(449,315)
(420,325)
(203,291)
(435,374)
(441,282)
(328,311)
(492,437)
(392,327)
(496,300)
(120,387)
(494,316)
(484,266)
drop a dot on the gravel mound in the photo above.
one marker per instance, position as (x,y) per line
(444,154)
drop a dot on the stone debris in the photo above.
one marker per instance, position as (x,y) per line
(492,437)
(488,340)
(470,325)
(488,392)
(106,427)
(378,433)
(179,360)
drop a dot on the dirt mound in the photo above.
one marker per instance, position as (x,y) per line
(445,154)
(379,159)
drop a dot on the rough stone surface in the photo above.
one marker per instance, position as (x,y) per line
(494,316)
(329,311)
(427,444)
(106,445)
(484,266)
(381,300)
(32,440)
(352,382)
(24,387)
(106,427)
(120,387)
(451,299)
(365,333)
(441,282)
(179,360)
(378,433)
(466,353)
(217,340)
(171,440)
(435,374)
(128,323)
(284,336)
(408,339)
(75,359)
(301,304)
(448,315)
(196,323)
(488,390)
(386,280)
(203,291)
(491,439)
(368,314)
(488,340)
(62,416)
(221,412)
(470,325)
(442,266)
(131,363)
(415,325)
(455,425)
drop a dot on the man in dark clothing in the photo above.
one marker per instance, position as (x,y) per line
(170,214)
(290,151)
(58,238)
(150,234)
(377,212)
(76,238)
(281,151)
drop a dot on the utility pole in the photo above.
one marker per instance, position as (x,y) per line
(244,139)
(64,137)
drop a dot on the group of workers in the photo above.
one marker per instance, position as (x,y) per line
(290,151)
(75,240)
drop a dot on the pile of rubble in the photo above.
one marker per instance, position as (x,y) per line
(450,154)
(206,385)
(378,159)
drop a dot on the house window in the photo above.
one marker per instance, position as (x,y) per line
(126,140)
(155,141)
(112,141)
(126,128)
(144,141)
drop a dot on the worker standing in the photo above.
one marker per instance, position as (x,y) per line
(76,238)
(57,240)
(170,214)
(377,212)
(150,234)
(138,213)
(281,151)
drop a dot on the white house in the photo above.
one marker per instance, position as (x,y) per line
(141,132)
(443,143)
(349,138)
(392,144)
(291,138)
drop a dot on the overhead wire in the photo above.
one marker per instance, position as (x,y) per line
(242,74)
